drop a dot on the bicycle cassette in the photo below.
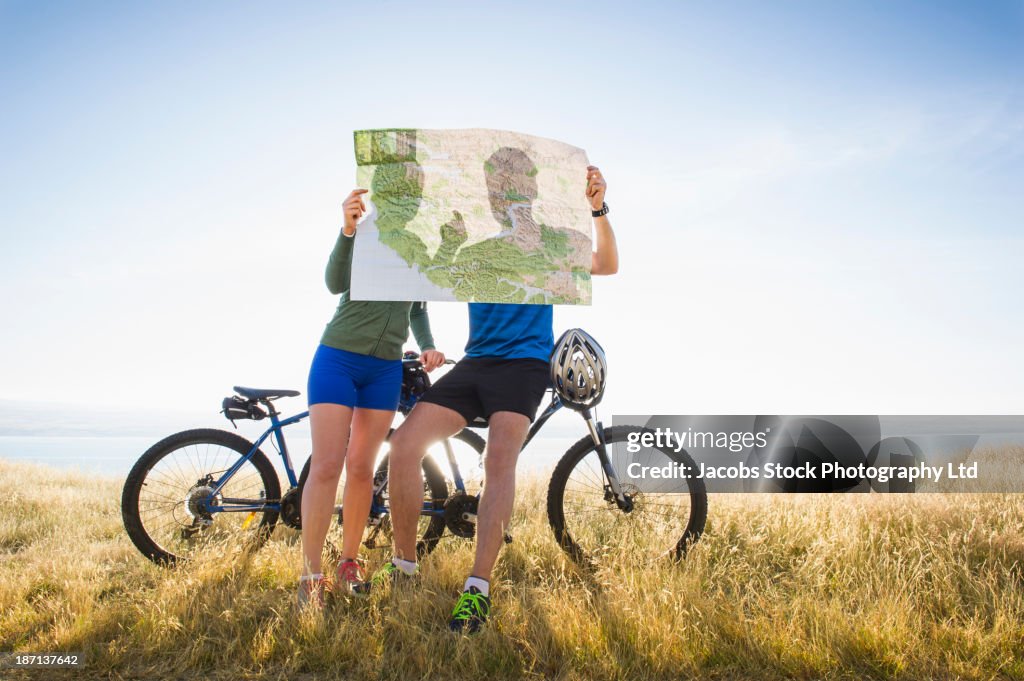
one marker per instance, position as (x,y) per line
(460,514)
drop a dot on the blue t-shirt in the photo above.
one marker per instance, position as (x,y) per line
(510,331)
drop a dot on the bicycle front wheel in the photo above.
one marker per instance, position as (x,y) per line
(169,506)
(663,520)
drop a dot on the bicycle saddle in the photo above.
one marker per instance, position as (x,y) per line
(264,393)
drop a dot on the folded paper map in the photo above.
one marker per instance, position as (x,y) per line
(471,215)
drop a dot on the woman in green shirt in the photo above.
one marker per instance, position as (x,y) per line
(354,386)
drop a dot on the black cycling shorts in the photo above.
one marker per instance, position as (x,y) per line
(476,387)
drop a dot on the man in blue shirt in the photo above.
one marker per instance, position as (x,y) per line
(501,380)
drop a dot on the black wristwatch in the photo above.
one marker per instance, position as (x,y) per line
(599,213)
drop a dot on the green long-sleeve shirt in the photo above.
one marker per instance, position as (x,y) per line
(370,327)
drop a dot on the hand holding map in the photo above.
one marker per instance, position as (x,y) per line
(595,187)
(353,209)
(474,216)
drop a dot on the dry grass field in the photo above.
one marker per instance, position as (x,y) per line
(838,587)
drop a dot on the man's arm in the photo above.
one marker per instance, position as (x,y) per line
(605,259)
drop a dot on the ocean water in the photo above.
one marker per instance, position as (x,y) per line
(108,441)
(103,455)
(114,456)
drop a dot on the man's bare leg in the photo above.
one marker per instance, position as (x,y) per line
(427,424)
(505,437)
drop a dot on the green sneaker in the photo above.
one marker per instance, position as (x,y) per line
(470,612)
(385,576)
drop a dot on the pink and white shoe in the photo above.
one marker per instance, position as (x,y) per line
(348,574)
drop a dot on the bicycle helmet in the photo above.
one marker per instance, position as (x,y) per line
(578,369)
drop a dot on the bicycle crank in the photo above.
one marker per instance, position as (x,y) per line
(460,514)
(291,508)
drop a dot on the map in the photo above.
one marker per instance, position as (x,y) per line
(473,216)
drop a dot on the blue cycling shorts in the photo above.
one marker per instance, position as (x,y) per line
(354,380)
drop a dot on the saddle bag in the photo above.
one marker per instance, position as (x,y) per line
(237,408)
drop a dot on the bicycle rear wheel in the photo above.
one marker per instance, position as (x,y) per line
(167,497)
(665,519)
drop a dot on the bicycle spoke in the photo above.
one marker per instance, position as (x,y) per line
(163,499)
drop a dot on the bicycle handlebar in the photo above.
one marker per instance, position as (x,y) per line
(415,361)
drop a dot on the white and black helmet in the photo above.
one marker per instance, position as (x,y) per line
(578,369)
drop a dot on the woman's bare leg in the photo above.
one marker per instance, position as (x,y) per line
(369,428)
(330,425)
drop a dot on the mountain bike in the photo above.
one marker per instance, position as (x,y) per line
(199,487)
(194,488)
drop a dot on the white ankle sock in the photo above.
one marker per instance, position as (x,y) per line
(482,584)
(406,566)
(311,578)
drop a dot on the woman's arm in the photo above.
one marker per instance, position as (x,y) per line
(339,266)
(420,324)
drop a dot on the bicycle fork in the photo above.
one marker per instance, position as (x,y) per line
(596,429)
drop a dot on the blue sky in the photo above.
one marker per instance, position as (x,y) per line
(818,205)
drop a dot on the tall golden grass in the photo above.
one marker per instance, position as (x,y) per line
(837,587)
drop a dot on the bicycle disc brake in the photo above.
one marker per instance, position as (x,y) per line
(631,495)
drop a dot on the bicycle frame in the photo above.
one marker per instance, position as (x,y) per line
(276,426)
(553,408)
